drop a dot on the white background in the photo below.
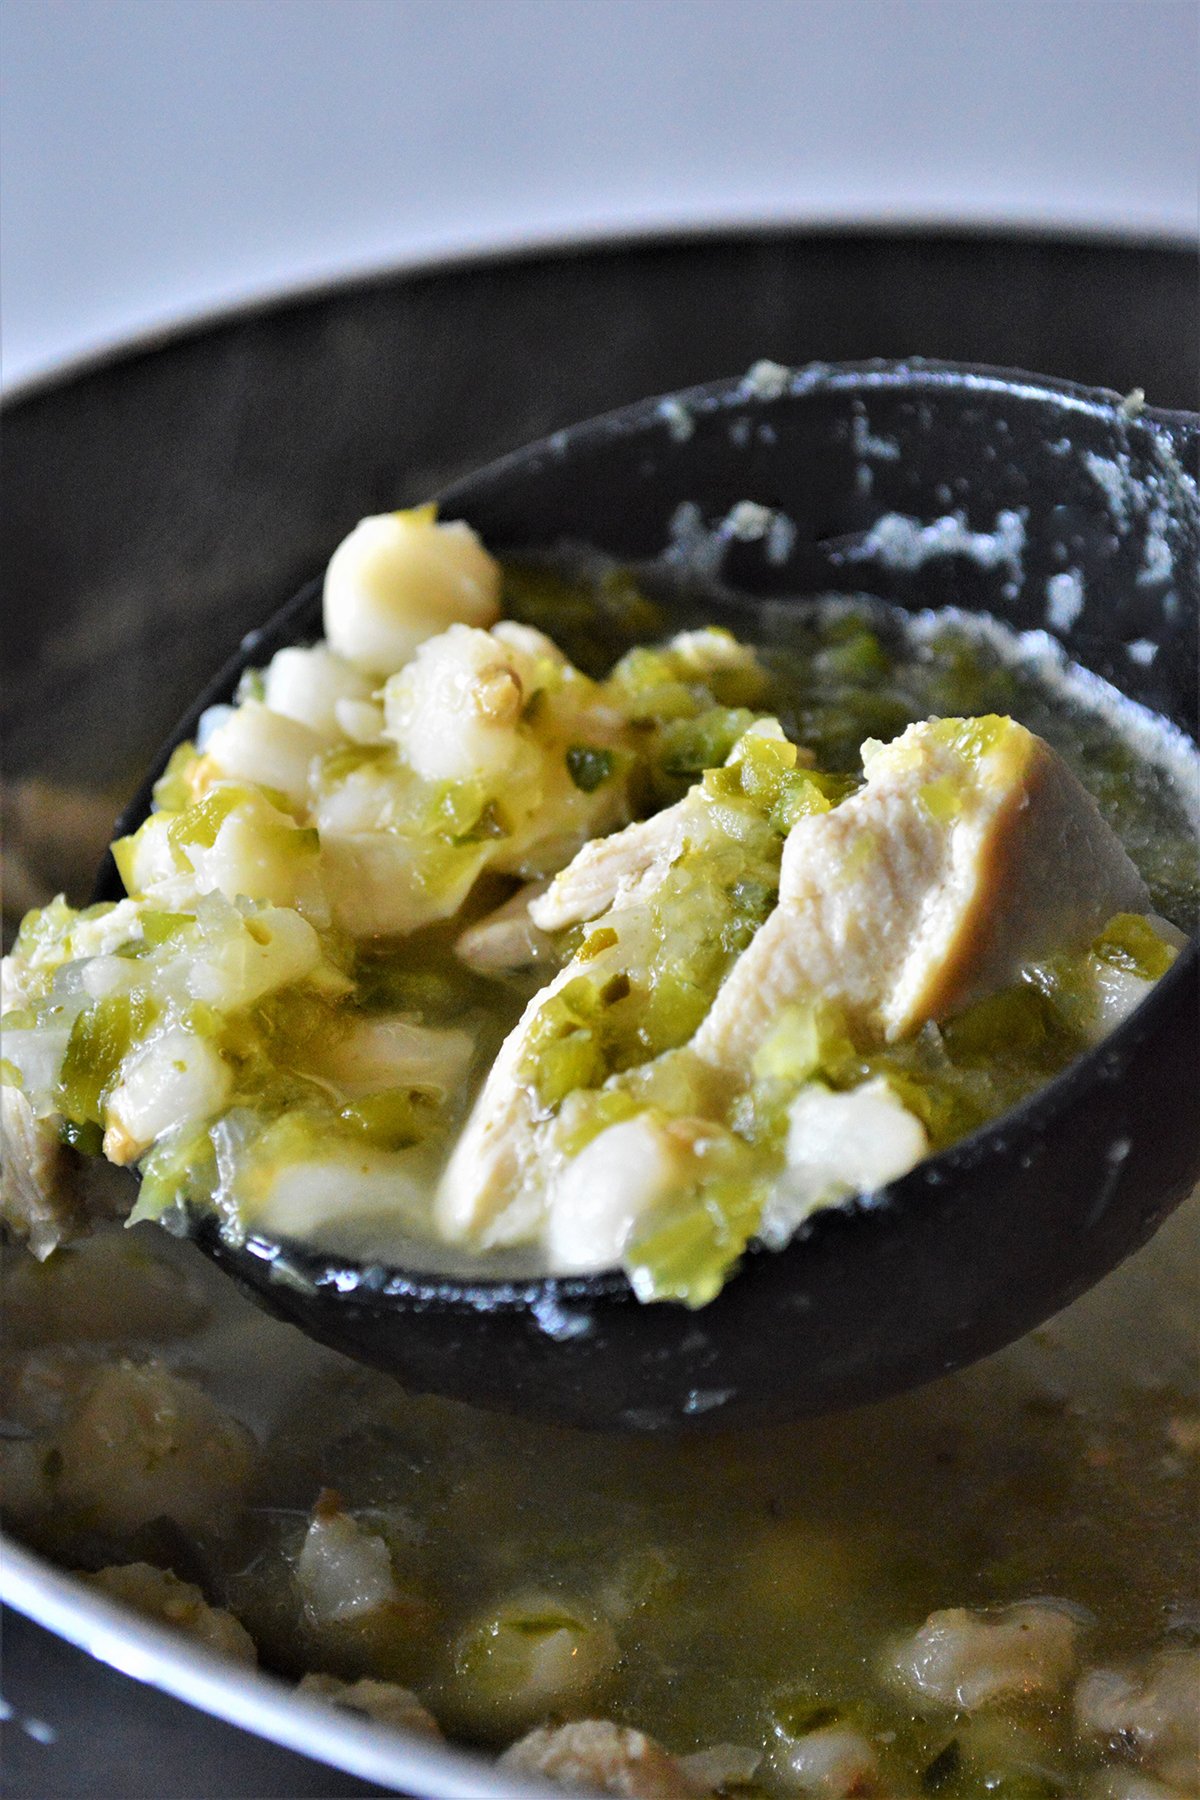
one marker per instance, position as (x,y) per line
(162,156)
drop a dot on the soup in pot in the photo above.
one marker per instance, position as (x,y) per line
(984,1588)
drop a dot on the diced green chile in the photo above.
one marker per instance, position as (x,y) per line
(101,1037)
(589,766)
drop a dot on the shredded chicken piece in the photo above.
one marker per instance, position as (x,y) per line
(888,907)
(483,1188)
(615,867)
(627,866)
(497,1141)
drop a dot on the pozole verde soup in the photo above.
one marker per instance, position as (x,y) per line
(988,1587)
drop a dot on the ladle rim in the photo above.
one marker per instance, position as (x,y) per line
(302,1265)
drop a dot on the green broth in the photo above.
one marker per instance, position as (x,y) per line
(745,1576)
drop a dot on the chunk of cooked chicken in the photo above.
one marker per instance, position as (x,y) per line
(634,861)
(615,866)
(1153,1711)
(838,1145)
(970,850)
(41,1197)
(481,1190)
(916,895)
(596,1756)
(678,896)
(162,1596)
(507,938)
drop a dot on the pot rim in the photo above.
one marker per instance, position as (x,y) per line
(251,1699)
(605,238)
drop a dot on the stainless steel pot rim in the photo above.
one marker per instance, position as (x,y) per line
(248,1698)
(313,288)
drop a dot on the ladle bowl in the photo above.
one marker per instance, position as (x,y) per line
(1049,506)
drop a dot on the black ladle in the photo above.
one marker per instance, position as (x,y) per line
(985,1240)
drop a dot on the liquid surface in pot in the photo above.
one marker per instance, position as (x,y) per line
(755,1589)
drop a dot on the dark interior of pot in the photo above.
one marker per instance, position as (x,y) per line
(163,503)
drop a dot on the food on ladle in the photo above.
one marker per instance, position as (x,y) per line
(925,891)
(433,939)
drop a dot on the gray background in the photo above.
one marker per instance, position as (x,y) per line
(161,156)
